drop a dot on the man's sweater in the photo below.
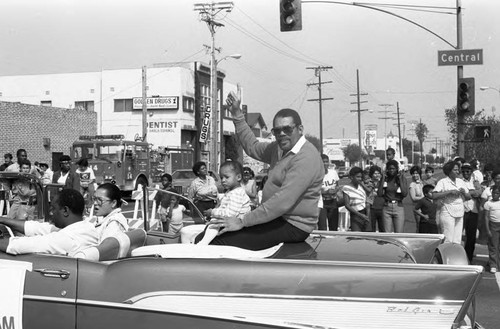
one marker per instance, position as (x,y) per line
(294,183)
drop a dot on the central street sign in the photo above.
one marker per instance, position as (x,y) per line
(460,57)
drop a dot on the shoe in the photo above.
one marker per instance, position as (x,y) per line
(493,270)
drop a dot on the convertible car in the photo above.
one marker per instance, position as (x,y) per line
(147,279)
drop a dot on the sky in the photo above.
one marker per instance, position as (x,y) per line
(397,61)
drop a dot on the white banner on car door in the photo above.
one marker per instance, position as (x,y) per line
(12,275)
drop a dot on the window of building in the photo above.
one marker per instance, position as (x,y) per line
(205,95)
(123,105)
(92,91)
(46,103)
(187,104)
(85,105)
(47,92)
(112,89)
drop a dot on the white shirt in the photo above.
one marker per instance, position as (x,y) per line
(454,204)
(330,181)
(46,238)
(62,178)
(470,205)
(477,175)
(113,224)
(494,210)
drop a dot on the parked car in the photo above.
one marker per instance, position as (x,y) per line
(397,280)
(343,171)
(182,178)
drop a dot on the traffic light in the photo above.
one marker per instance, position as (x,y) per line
(482,132)
(465,103)
(290,15)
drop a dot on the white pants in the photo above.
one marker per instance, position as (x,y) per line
(451,226)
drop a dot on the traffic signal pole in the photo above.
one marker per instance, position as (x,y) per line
(460,75)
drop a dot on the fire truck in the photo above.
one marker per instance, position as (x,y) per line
(115,160)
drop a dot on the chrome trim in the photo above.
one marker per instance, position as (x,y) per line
(61,300)
(285,297)
(303,311)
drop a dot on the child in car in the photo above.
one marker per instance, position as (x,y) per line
(172,222)
(235,201)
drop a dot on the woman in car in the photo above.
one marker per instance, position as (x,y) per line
(203,190)
(107,202)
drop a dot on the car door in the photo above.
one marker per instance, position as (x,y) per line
(49,291)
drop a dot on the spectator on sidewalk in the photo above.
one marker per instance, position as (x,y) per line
(453,191)
(65,175)
(8,161)
(16,167)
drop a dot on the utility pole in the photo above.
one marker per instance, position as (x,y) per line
(317,72)
(359,110)
(144,105)
(385,118)
(399,131)
(208,13)
(460,74)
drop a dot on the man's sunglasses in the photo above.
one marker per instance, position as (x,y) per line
(288,130)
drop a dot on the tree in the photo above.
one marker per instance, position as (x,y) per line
(434,151)
(421,131)
(486,151)
(451,121)
(353,153)
(314,141)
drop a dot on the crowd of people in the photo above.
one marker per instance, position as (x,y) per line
(300,194)
(464,200)
(21,195)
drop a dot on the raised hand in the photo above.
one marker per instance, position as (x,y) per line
(234,101)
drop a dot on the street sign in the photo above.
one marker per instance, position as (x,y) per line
(460,57)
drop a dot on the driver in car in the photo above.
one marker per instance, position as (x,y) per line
(68,235)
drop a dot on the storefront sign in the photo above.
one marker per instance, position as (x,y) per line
(205,125)
(168,102)
(164,132)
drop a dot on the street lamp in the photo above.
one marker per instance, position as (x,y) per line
(486,88)
(215,139)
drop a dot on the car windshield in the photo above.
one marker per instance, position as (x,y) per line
(183,174)
(158,203)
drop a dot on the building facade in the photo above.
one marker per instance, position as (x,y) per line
(177,97)
(44,132)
